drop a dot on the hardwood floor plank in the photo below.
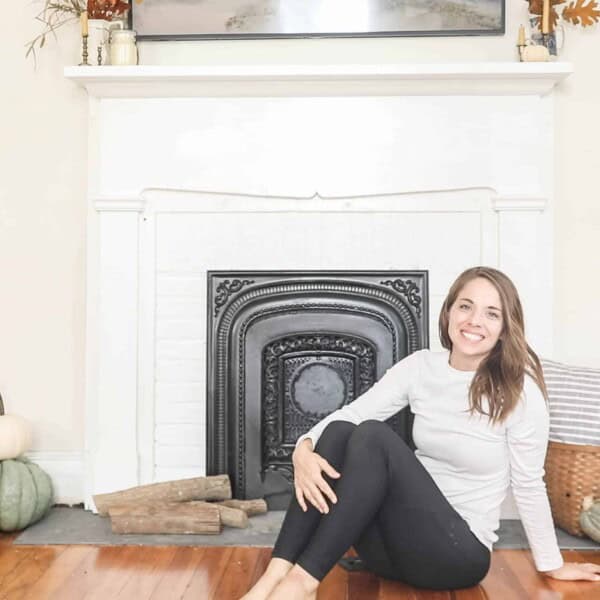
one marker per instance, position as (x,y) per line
(226,573)
(21,574)
(208,573)
(235,580)
(535,584)
(501,582)
(589,556)
(433,595)
(264,556)
(396,590)
(115,566)
(362,584)
(148,573)
(473,593)
(57,563)
(81,579)
(179,574)
(335,585)
(10,559)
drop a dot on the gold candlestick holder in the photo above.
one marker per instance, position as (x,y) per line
(84,51)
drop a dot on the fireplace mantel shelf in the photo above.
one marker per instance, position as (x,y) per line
(481,78)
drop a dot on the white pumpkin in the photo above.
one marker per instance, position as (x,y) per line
(15,435)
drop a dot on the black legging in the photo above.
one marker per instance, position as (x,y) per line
(389,508)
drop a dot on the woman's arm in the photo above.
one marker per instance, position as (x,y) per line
(382,400)
(527,434)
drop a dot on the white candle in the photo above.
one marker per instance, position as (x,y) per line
(84,23)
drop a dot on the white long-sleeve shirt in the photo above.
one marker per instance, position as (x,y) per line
(472,462)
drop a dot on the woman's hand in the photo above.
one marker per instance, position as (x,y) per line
(308,480)
(576,571)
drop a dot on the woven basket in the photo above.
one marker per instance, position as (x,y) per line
(572,472)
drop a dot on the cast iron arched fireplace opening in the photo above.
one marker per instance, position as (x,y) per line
(286,348)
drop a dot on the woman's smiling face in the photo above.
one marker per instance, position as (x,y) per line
(475,323)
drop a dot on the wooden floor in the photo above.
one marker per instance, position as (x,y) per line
(212,573)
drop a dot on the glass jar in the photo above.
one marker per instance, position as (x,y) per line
(123,49)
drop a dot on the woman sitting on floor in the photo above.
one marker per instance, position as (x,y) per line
(428,518)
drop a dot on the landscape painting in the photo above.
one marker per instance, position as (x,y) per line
(194,19)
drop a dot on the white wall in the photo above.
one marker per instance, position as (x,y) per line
(42,208)
(42,236)
(577,212)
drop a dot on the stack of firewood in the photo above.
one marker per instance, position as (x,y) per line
(197,505)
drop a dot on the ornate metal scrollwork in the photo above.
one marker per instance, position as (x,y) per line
(409,289)
(226,288)
(286,471)
(340,352)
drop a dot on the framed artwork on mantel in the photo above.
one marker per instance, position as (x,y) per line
(230,19)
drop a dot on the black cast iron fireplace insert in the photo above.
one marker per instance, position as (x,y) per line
(286,348)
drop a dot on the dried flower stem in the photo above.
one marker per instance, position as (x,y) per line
(54,15)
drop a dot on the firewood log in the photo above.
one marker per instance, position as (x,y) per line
(230,516)
(217,487)
(166,517)
(250,507)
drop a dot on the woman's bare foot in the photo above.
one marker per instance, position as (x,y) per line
(296,585)
(276,570)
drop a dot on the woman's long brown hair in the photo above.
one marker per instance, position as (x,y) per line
(501,374)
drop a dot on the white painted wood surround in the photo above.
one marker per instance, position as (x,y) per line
(436,167)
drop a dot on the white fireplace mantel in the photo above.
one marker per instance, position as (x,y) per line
(497,78)
(196,168)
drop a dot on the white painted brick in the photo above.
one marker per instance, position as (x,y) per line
(168,284)
(214,241)
(180,371)
(175,349)
(183,329)
(171,393)
(176,473)
(179,434)
(180,412)
(180,308)
(180,456)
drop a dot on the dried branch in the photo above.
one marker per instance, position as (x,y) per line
(53,16)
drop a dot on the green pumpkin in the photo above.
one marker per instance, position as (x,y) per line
(25,494)
(589,519)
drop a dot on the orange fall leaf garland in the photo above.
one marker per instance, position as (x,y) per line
(577,12)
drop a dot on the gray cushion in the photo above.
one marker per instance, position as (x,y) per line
(574,403)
